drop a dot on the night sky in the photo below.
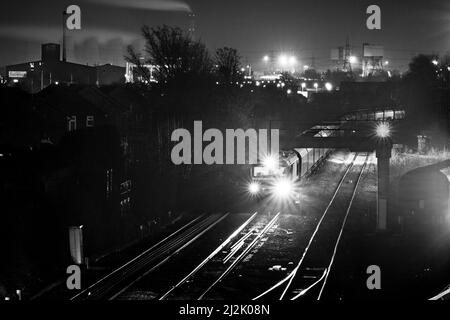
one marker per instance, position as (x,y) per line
(255,27)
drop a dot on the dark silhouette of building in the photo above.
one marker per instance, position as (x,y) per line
(36,75)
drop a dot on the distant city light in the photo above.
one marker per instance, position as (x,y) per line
(435,62)
(328,86)
(383,130)
(287,61)
(289,91)
(283,60)
(292,60)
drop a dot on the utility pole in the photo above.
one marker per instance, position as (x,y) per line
(383,154)
(64,57)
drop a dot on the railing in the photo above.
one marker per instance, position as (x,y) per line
(374,115)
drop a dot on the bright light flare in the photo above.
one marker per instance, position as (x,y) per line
(270,162)
(383,130)
(283,60)
(292,60)
(283,188)
(254,188)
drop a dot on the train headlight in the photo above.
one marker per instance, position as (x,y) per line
(254,188)
(283,188)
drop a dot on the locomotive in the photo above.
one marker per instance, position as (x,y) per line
(279,175)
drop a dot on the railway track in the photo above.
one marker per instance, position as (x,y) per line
(309,278)
(122,278)
(208,275)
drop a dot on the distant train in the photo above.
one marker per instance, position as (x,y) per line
(279,176)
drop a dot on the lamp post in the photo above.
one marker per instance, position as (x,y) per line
(383,154)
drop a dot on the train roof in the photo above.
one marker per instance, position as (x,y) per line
(303,151)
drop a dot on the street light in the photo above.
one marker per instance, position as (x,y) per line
(435,62)
(266,59)
(328,86)
(287,61)
(316,85)
(303,85)
(353,59)
(383,130)
(283,60)
(292,60)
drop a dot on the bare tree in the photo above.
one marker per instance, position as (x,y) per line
(228,63)
(172,52)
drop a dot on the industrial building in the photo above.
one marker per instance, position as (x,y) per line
(36,75)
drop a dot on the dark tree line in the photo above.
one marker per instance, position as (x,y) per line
(178,56)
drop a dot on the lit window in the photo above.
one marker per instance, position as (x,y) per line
(109,182)
(72,123)
(89,121)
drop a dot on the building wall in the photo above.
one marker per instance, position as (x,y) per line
(40,74)
(108,74)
